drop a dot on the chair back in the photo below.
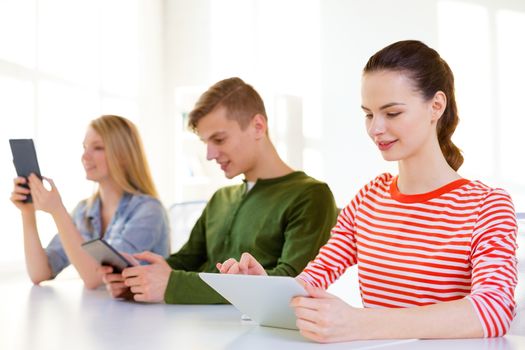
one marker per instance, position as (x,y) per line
(183,216)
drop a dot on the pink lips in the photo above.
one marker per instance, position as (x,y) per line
(385,145)
(224,165)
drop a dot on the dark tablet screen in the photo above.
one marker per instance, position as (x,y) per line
(24,159)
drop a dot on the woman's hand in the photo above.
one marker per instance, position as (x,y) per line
(43,199)
(325,318)
(247,265)
(19,194)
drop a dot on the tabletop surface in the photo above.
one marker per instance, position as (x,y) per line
(61,314)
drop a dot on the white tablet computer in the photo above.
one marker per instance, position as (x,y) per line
(265,299)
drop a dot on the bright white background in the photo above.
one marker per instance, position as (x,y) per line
(65,62)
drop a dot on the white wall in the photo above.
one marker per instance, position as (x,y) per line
(472,37)
(63,63)
(310,51)
(315,50)
(351,32)
(257,40)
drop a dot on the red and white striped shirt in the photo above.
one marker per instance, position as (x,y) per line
(413,250)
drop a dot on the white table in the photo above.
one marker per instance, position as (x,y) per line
(61,314)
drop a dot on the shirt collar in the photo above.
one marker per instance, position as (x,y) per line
(94,211)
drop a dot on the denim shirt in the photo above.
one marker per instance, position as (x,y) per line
(140,223)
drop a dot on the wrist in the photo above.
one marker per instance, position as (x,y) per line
(58,212)
(28,217)
(28,212)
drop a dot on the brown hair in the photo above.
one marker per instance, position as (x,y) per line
(240,99)
(430,74)
(125,155)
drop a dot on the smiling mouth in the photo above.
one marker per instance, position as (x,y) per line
(224,165)
(385,145)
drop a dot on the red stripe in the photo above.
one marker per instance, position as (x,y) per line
(408,259)
(416,279)
(481,243)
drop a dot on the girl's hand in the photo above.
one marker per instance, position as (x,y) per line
(325,318)
(44,199)
(19,194)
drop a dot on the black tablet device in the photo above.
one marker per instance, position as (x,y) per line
(106,254)
(24,158)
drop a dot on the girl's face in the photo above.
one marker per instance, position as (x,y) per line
(94,157)
(398,119)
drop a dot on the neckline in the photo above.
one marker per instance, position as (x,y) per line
(277,179)
(423,197)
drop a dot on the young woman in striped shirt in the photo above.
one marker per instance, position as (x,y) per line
(435,252)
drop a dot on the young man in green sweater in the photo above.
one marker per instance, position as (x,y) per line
(281,216)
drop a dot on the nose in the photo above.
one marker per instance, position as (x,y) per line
(211,152)
(85,155)
(376,126)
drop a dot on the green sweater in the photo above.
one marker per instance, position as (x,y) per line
(282,222)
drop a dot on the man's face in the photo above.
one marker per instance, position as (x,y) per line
(230,146)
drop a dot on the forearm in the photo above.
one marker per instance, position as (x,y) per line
(455,319)
(186,287)
(37,263)
(72,241)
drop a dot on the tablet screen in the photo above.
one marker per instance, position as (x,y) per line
(24,159)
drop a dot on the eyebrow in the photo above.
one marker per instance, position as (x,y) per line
(214,135)
(94,143)
(385,106)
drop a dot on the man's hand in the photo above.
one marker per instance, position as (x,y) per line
(247,265)
(148,283)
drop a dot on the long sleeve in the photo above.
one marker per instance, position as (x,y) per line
(456,242)
(307,229)
(56,254)
(193,253)
(185,285)
(493,257)
(340,251)
(282,222)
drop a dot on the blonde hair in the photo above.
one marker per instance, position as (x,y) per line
(125,155)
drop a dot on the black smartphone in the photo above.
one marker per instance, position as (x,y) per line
(25,161)
(105,254)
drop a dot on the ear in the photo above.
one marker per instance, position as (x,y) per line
(260,125)
(438,105)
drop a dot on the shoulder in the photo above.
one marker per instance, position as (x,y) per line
(80,209)
(379,186)
(493,205)
(495,210)
(380,183)
(382,180)
(144,203)
(301,182)
(228,191)
(477,191)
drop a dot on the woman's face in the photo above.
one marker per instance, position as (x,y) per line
(94,157)
(398,119)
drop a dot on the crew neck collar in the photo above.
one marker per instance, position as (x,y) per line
(423,197)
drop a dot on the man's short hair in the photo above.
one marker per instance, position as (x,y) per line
(241,101)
